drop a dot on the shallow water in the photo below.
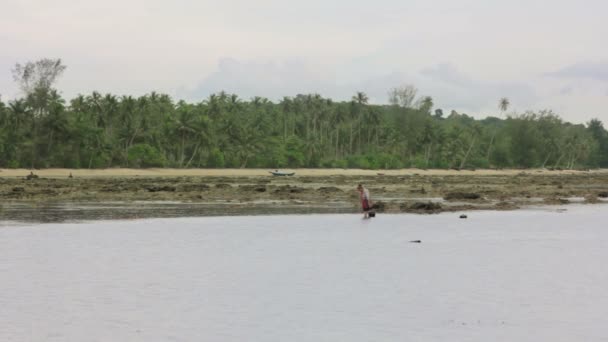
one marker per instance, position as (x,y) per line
(527,275)
(81,211)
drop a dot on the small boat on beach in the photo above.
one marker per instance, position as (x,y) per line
(281,173)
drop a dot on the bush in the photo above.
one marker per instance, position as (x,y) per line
(13,164)
(216,158)
(144,155)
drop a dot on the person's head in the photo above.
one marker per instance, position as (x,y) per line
(360,187)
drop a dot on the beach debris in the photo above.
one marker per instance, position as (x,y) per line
(463,216)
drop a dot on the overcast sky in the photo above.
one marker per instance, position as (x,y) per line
(466,54)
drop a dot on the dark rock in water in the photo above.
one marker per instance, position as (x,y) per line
(426,206)
(461,196)
(463,216)
(416,241)
(18,189)
(603,194)
(156,188)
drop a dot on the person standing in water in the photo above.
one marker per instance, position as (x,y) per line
(366,202)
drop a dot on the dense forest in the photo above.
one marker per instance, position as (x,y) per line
(41,129)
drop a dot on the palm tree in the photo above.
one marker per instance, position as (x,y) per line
(503,105)
(358,101)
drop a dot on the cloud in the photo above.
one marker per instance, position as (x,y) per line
(456,89)
(449,87)
(567,90)
(597,71)
(261,78)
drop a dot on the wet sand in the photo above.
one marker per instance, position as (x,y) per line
(246,191)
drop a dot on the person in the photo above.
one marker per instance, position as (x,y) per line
(366,202)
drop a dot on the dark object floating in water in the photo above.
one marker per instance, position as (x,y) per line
(416,241)
(281,173)
(372,214)
(463,216)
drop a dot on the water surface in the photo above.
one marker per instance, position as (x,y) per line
(528,275)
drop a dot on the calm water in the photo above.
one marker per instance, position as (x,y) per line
(529,275)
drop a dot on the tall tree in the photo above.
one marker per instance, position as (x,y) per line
(503,105)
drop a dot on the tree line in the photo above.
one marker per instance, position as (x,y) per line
(41,129)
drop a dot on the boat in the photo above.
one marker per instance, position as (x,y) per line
(281,173)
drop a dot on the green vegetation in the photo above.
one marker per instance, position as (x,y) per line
(98,131)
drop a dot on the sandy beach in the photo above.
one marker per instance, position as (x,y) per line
(161,172)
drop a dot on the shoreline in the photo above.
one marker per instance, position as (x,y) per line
(251,191)
(168,172)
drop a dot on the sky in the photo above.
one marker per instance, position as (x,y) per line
(466,54)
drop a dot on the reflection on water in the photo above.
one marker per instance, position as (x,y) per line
(62,212)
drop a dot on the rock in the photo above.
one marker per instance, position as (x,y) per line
(70,176)
(287,189)
(603,194)
(556,200)
(31,176)
(463,216)
(18,189)
(328,189)
(194,187)
(425,206)
(461,196)
(418,191)
(416,241)
(503,205)
(156,188)
(591,199)
(255,188)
